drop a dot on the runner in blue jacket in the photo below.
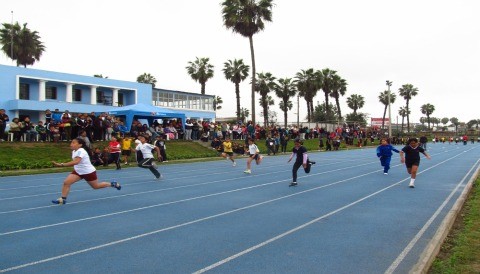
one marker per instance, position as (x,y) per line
(384,152)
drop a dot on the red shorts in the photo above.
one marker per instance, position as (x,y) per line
(87,177)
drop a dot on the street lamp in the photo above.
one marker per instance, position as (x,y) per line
(389,84)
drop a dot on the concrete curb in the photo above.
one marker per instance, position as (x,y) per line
(433,247)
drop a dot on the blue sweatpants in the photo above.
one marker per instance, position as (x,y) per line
(385,162)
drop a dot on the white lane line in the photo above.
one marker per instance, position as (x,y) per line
(427,225)
(248,250)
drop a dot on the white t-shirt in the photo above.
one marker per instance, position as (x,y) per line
(146,150)
(252,149)
(85,166)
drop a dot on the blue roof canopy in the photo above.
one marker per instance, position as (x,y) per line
(143,111)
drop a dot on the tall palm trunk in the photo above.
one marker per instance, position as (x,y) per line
(308,108)
(403,119)
(285,116)
(250,38)
(311,111)
(203,88)
(237,92)
(384,114)
(327,108)
(408,117)
(337,101)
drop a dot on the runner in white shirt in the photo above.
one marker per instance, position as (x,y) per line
(148,160)
(254,153)
(83,169)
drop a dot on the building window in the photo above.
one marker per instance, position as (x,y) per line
(24,91)
(180,101)
(77,95)
(51,93)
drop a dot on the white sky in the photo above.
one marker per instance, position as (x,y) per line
(432,44)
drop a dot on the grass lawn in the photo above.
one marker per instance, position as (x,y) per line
(460,253)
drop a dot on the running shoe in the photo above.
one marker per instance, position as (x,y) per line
(248,171)
(159,177)
(59,201)
(411,185)
(116,185)
(234,164)
(293,184)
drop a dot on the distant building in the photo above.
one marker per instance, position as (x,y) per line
(29,92)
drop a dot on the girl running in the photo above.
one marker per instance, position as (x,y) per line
(254,153)
(114,149)
(83,169)
(228,151)
(148,161)
(384,153)
(412,158)
(301,160)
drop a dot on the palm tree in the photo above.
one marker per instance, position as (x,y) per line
(247,17)
(308,83)
(355,102)
(147,78)
(427,109)
(200,71)
(266,102)
(339,88)
(383,98)
(403,111)
(21,44)
(327,84)
(236,71)
(408,91)
(456,123)
(217,102)
(285,89)
(265,84)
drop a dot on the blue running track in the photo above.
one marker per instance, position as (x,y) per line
(346,216)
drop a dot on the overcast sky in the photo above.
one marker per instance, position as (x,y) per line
(431,44)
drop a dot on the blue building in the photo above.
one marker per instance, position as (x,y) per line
(29,92)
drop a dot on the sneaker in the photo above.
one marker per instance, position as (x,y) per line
(59,201)
(293,184)
(312,162)
(159,178)
(126,163)
(386,173)
(165,161)
(116,185)
(411,185)
(248,171)
(234,164)
(154,165)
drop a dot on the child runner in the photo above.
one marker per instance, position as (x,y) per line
(228,150)
(126,149)
(254,153)
(83,169)
(412,158)
(384,152)
(148,161)
(301,160)
(114,149)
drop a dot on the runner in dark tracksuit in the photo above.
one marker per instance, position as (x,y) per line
(301,160)
(384,152)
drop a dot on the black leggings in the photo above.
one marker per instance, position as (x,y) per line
(296,166)
(147,163)
(115,158)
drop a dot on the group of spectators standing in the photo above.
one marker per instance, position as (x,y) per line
(65,126)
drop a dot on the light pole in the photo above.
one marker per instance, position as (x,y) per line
(389,84)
